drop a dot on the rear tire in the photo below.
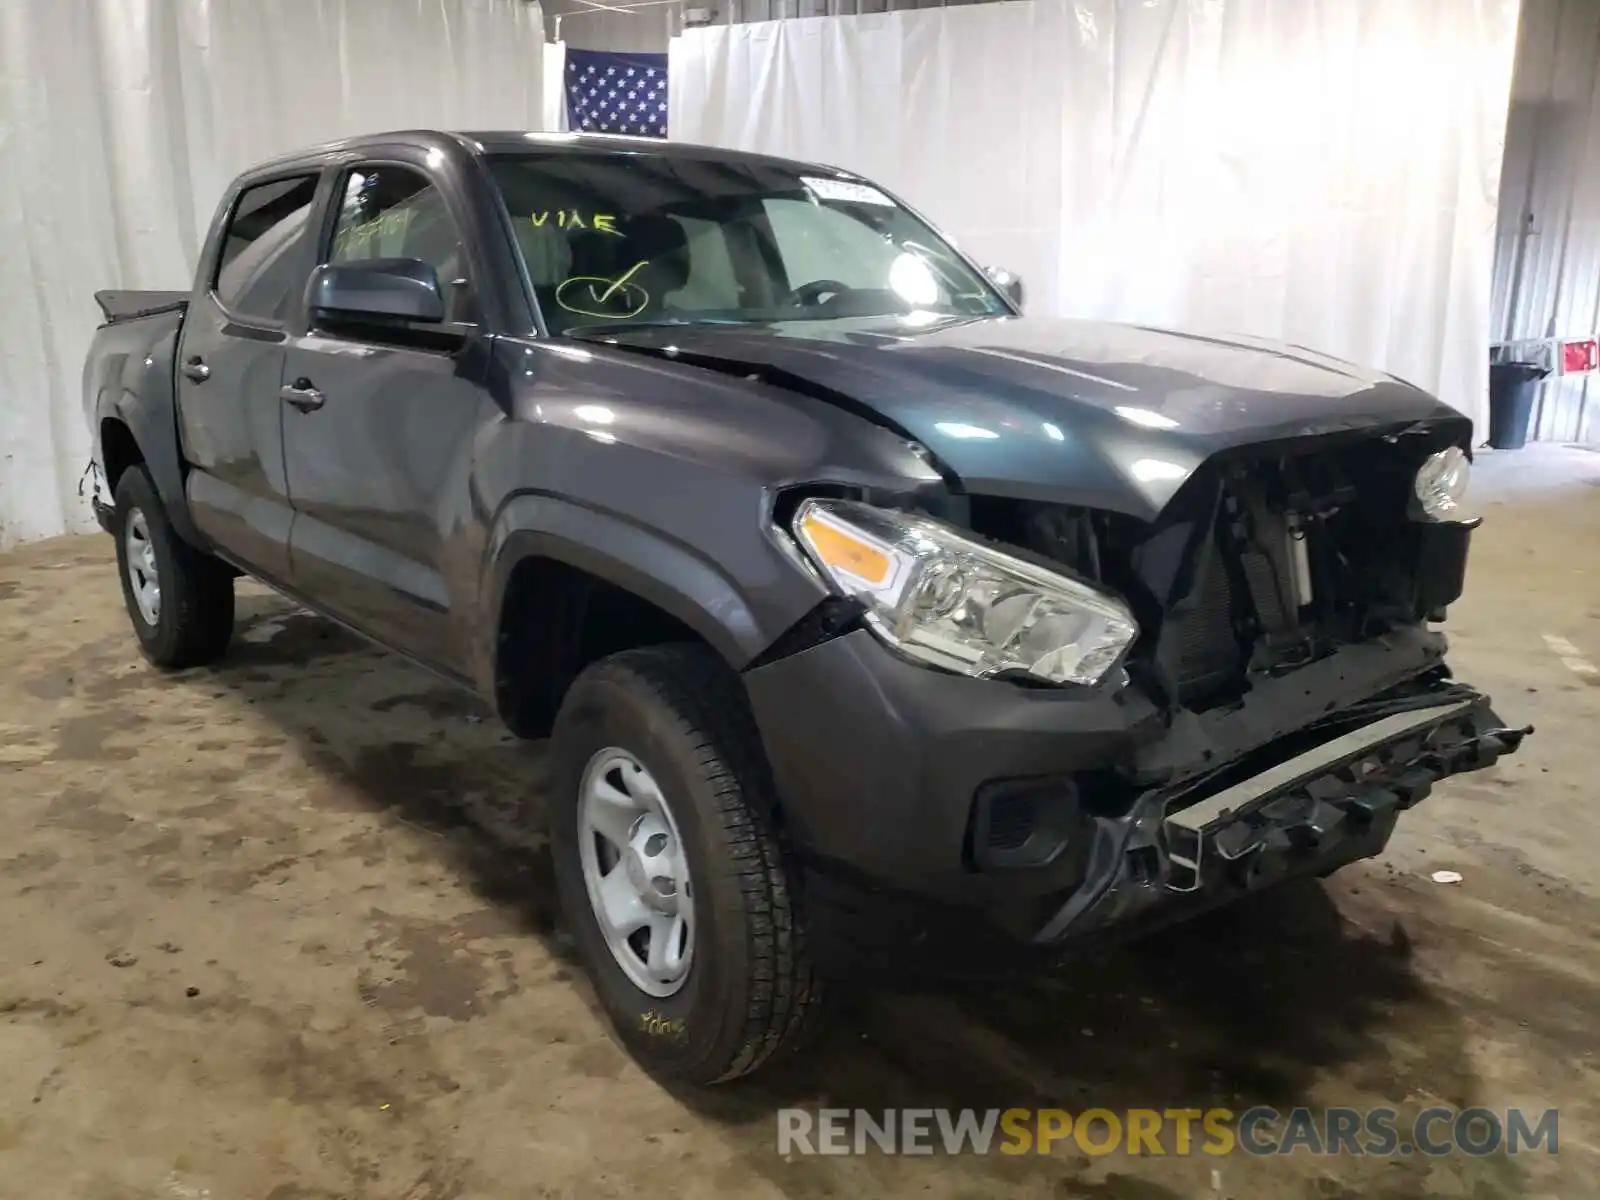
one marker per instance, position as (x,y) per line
(676,718)
(179,599)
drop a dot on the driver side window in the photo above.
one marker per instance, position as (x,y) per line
(816,242)
(395,212)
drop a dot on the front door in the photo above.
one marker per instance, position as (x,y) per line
(378,430)
(230,359)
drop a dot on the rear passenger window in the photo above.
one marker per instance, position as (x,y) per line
(263,266)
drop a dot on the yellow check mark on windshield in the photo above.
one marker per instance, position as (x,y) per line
(620,282)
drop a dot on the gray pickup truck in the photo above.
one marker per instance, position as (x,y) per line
(872,623)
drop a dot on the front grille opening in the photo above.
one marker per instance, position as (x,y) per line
(1265,560)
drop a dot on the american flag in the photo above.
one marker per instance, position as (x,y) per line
(617,93)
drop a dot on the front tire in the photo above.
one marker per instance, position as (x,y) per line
(179,599)
(677,885)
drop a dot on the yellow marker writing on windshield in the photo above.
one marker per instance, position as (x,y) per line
(622,280)
(573,219)
(634,298)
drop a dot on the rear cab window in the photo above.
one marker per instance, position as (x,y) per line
(263,265)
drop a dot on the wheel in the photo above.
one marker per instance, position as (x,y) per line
(179,599)
(676,882)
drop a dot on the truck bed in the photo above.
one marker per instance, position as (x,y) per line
(125,305)
(131,355)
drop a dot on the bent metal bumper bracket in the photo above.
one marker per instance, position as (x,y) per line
(1256,829)
(1332,804)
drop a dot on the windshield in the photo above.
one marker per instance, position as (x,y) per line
(633,237)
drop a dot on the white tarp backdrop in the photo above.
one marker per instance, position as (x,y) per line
(555,87)
(121,121)
(1320,171)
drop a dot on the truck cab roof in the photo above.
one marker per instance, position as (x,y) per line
(482,142)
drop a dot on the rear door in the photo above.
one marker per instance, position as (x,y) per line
(378,467)
(230,366)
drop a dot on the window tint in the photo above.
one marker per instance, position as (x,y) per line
(394,212)
(261,269)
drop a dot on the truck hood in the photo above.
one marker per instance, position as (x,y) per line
(1075,412)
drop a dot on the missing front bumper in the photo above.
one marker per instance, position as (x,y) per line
(1312,802)
(1309,814)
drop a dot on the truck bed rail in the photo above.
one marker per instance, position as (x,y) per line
(125,305)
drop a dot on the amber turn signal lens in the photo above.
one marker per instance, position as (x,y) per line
(843,552)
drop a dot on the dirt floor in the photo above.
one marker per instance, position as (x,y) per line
(284,929)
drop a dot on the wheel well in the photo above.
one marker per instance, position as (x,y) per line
(118,451)
(555,620)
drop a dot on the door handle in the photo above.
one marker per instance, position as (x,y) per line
(196,370)
(302,395)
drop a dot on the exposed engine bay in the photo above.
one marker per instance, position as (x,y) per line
(1264,562)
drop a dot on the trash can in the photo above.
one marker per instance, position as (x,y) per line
(1511,389)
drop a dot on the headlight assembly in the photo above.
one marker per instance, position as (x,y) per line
(952,602)
(1441,485)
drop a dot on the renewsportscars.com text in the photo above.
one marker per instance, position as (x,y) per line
(1168,1131)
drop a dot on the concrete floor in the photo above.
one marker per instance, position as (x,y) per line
(284,930)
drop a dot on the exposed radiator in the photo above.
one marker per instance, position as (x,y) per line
(1198,646)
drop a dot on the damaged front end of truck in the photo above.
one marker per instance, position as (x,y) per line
(1156,628)
(1285,699)
(1284,598)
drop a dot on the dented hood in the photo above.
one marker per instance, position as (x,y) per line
(1106,416)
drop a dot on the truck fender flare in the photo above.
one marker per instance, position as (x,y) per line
(140,394)
(675,578)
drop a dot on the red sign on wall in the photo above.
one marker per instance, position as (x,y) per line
(1580,356)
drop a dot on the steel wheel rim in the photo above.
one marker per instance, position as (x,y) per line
(144,580)
(636,872)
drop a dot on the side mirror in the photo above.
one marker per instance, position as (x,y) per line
(385,289)
(1008,283)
